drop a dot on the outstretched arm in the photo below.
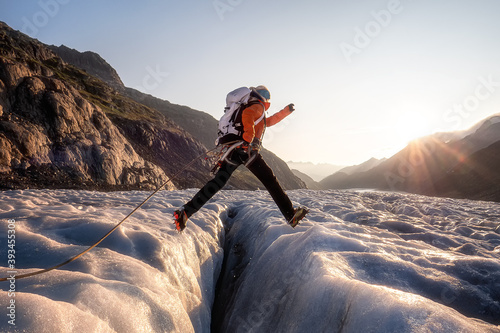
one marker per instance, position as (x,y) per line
(279,116)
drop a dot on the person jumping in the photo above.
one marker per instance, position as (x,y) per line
(242,145)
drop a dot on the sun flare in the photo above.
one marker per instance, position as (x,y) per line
(411,125)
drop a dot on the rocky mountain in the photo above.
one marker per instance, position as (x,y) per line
(432,166)
(476,177)
(70,123)
(201,125)
(93,64)
(311,183)
(63,128)
(332,180)
(365,166)
(458,135)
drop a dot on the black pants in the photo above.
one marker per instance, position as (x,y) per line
(258,167)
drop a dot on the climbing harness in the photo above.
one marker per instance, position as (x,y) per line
(21,276)
(224,152)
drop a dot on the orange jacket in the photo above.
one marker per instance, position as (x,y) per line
(252,113)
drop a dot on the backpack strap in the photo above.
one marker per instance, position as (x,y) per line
(261,117)
(263,110)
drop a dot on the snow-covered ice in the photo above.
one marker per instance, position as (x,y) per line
(362,262)
(143,278)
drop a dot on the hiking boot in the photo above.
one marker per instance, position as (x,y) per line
(180,219)
(298,215)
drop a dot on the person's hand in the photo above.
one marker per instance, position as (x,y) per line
(291,107)
(255,144)
(249,146)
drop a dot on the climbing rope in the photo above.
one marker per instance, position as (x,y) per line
(21,276)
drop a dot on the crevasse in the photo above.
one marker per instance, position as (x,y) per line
(364,261)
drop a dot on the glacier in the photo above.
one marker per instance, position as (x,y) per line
(362,261)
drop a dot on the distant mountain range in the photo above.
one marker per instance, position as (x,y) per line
(464,164)
(67,121)
(315,171)
(317,175)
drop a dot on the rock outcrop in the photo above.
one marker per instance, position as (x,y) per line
(56,127)
(92,62)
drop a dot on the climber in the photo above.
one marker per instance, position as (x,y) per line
(242,128)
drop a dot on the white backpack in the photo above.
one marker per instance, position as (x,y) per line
(230,124)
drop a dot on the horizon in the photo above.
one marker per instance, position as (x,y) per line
(366,78)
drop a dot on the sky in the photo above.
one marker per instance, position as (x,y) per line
(366,77)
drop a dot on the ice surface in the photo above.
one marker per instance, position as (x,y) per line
(362,262)
(144,278)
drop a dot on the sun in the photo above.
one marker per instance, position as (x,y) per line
(411,125)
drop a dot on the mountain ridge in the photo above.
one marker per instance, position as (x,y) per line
(92,62)
(141,148)
(316,171)
(57,126)
(434,165)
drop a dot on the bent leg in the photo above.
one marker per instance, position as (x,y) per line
(266,175)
